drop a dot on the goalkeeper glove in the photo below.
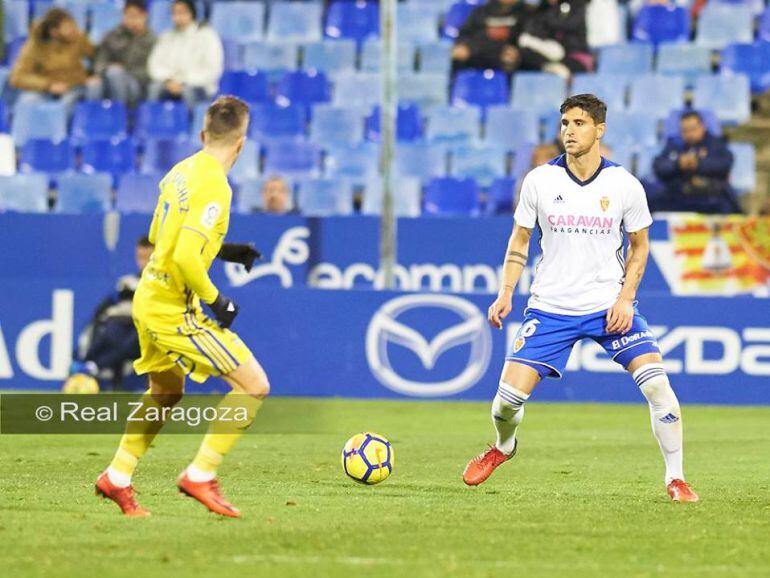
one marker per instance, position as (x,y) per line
(243,253)
(225,310)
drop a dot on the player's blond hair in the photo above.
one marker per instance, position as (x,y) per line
(226,119)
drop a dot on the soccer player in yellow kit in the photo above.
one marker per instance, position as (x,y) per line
(177,339)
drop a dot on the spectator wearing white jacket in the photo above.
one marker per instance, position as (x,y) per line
(187,61)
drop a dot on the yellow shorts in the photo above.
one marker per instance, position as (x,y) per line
(197,347)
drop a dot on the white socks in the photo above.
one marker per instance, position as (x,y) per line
(507,413)
(118,479)
(665,416)
(198,475)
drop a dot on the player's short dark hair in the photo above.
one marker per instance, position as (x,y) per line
(593,106)
(226,118)
(690,114)
(138,4)
(144,241)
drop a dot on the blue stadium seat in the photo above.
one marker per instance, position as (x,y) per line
(160,15)
(500,196)
(295,22)
(662,23)
(451,196)
(81,193)
(246,168)
(538,90)
(251,86)
(45,156)
(630,130)
(104,17)
(750,59)
(360,90)
(743,174)
(270,56)
(729,96)
(370,56)
(239,21)
(303,87)
(482,163)
(233,55)
(435,57)
(625,59)
(721,24)
(3,115)
(138,193)
(38,120)
(427,90)
(622,156)
(407,193)
(763,28)
(15,19)
(358,163)
(644,162)
(248,196)
(709,117)
(452,125)
(110,156)
(336,126)
(408,123)
(415,24)
(688,60)
(522,159)
(160,155)
(99,120)
(162,119)
(334,57)
(421,160)
(292,159)
(356,20)
(507,128)
(24,193)
(656,94)
(480,88)
(611,88)
(455,18)
(324,197)
(272,122)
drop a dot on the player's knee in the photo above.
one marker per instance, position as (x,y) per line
(166,398)
(259,388)
(655,386)
(508,401)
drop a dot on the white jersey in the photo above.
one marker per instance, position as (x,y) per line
(582,226)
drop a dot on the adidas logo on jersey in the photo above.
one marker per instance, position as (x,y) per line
(558,199)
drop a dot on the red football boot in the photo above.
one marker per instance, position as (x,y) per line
(208,494)
(123,497)
(482,466)
(680,491)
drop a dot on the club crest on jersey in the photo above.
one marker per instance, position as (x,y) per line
(518,344)
(604,203)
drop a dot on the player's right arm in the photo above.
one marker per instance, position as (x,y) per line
(514,263)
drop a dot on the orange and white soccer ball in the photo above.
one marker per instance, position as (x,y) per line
(368,458)
(81,383)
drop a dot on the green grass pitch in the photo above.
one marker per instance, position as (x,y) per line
(584,497)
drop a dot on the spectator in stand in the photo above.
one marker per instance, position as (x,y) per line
(188,60)
(488,38)
(554,39)
(694,171)
(276,195)
(50,64)
(121,59)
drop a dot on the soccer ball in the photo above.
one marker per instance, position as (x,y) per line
(368,458)
(81,383)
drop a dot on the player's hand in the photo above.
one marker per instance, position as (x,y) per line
(225,310)
(243,253)
(500,309)
(620,316)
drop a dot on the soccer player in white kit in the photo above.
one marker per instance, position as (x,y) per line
(584,287)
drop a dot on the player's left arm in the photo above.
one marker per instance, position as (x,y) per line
(621,314)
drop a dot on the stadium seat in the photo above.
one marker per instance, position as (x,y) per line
(500,196)
(3,110)
(334,57)
(482,163)
(622,156)
(407,195)
(743,175)
(324,197)
(7,156)
(38,120)
(644,163)
(24,193)
(293,159)
(455,18)
(656,94)
(452,125)
(371,51)
(358,163)
(750,59)
(336,126)
(611,88)
(138,193)
(507,128)
(251,86)
(114,156)
(408,123)
(688,60)
(247,166)
(661,23)
(159,12)
(538,90)
(426,90)
(763,31)
(160,155)
(415,24)
(303,87)
(357,20)
(480,88)
(626,59)
(270,56)
(273,122)
(248,196)
(81,193)
(435,57)
(295,22)
(360,90)
(421,160)
(165,119)
(45,156)
(239,21)
(99,120)
(709,117)
(729,96)
(15,19)
(104,17)
(233,55)
(722,24)
(522,159)
(451,196)
(630,130)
